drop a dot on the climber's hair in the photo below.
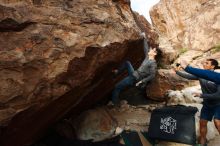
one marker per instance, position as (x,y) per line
(214,63)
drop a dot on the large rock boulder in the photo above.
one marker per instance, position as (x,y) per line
(96,124)
(192,24)
(56,57)
(165,80)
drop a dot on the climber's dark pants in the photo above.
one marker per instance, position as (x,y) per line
(127,81)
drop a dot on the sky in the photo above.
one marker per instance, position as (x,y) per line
(143,7)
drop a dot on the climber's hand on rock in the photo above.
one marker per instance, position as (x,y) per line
(178,67)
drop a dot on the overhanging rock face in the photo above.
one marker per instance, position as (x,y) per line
(56,57)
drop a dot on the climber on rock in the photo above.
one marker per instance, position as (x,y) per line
(140,77)
(210,95)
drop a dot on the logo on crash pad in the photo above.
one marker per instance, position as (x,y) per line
(168,125)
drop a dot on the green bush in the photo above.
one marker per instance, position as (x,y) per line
(183,50)
(216,48)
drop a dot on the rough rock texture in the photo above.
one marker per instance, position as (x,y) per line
(165,80)
(56,57)
(184,96)
(145,26)
(215,141)
(190,25)
(97,124)
(101,123)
